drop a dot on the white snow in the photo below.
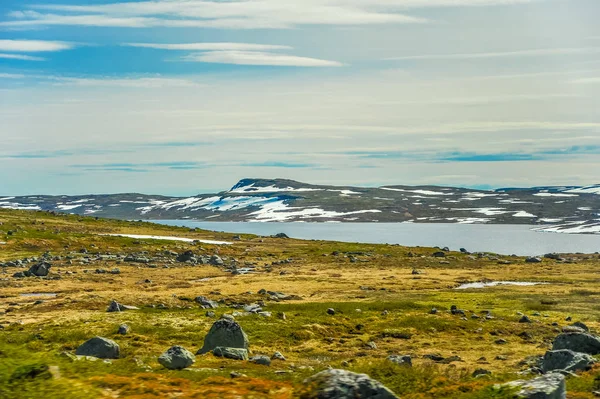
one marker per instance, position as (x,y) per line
(485,211)
(481,195)
(585,190)
(18,206)
(461,220)
(68,207)
(585,208)
(424,192)
(548,220)
(115,205)
(523,214)
(579,227)
(270,189)
(169,238)
(278,211)
(81,201)
(555,195)
(345,192)
(6,198)
(495,283)
(514,201)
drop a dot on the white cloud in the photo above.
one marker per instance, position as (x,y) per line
(259,58)
(520,53)
(33,46)
(21,57)
(211,46)
(143,82)
(11,76)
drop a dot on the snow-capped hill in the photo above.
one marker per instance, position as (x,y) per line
(271,200)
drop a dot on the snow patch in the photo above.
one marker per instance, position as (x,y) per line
(279,211)
(523,214)
(169,238)
(555,195)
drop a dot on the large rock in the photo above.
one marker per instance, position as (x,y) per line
(40,269)
(226,333)
(565,359)
(99,347)
(342,384)
(549,386)
(577,342)
(177,358)
(216,260)
(231,353)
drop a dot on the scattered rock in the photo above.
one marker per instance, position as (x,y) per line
(400,359)
(99,347)
(206,303)
(481,372)
(261,359)
(123,329)
(577,342)
(231,353)
(331,311)
(565,359)
(524,319)
(278,356)
(342,384)
(533,259)
(281,235)
(118,307)
(176,358)
(549,386)
(224,333)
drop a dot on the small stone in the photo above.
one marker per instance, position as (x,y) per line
(123,329)
(331,311)
(99,347)
(231,353)
(261,359)
(278,356)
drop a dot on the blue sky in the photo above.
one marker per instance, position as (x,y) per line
(186,96)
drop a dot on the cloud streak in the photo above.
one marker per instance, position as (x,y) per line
(21,57)
(33,46)
(502,54)
(259,58)
(210,46)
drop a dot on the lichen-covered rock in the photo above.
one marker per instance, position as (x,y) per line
(177,358)
(578,342)
(231,353)
(342,384)
(565,359)
(99,347)
(261,359)
(225,333)
(124,329)
(549,386)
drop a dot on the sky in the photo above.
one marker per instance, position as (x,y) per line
(179,97)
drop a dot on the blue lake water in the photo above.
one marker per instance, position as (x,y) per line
(501,239)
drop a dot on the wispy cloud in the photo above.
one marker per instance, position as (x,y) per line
(212,14)
(595,80)
(33,46)
(21,57)
(502,54)
(139,167)
(225,46)
(277,164)
(11,76)
(259,58)
(139,82)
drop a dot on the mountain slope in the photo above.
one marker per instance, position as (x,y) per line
(287,200)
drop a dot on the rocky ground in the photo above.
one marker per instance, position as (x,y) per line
(87,315)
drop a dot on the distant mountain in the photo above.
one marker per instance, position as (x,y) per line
(281,200)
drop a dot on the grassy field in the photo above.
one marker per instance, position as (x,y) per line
(377,298)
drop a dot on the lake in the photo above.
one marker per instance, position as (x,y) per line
(501,239)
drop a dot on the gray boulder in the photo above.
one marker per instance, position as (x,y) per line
(225,333)
(99,347)
(342,384)
(206,303)
(40,269)
(549,386)
(577,342)
(231,353)
(177,358)
(216,260)
(567,360)
(261,359)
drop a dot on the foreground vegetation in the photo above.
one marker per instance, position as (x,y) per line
(382,296)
